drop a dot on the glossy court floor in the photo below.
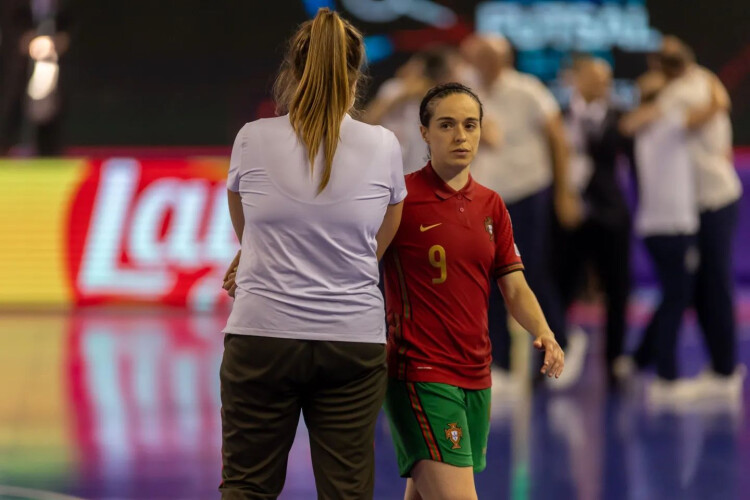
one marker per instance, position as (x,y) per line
(113,404)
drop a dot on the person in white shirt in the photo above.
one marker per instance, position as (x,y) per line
(529,169)
(602,241)
(702,94)
(667,220)
(315,198)
(702,99)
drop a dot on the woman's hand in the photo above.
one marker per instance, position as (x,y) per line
(554,357)
(229,277)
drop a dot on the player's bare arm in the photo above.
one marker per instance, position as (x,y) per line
(524,307)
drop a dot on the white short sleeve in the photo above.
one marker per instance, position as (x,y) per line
(677,118)
(668,102)
(235,162)
(396,165)
(689,92)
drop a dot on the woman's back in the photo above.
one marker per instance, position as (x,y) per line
(314,197)
(309,268)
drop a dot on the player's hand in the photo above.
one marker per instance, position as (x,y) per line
(568,208)
(229,277)
(554,357)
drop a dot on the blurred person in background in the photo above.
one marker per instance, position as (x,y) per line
(315,198)
(667,220)
(700,96)
(530,172)
(396,104)
(34,37)
(603,238)
(16,25)
(455,243)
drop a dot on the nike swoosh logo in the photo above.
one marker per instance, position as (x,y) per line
(427,228)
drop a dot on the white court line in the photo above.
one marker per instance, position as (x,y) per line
(30,494)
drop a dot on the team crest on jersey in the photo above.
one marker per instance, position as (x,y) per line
(454,434)
(489,228)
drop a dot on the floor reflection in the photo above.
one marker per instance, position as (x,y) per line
(124,404)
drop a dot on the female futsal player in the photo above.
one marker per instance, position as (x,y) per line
(315,198)
(455,239)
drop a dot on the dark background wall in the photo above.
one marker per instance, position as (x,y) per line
(190,72)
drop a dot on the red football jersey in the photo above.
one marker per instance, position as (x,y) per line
(450,248)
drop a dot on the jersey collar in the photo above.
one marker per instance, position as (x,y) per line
(443,190)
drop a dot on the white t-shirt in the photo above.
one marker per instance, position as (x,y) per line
(666,179)
(403,121)
(309,268)
(718,182)
(710,145)
(522,165)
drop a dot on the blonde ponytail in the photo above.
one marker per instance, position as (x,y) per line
(323,65)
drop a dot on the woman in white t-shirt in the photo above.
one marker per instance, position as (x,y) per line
(667,220)
(315,197)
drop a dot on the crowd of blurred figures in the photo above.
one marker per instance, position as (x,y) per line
(565,175)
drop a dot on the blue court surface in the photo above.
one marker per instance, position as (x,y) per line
(124,404)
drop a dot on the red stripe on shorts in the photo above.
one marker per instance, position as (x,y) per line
(427,433)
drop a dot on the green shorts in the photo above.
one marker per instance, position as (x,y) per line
(439,422)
